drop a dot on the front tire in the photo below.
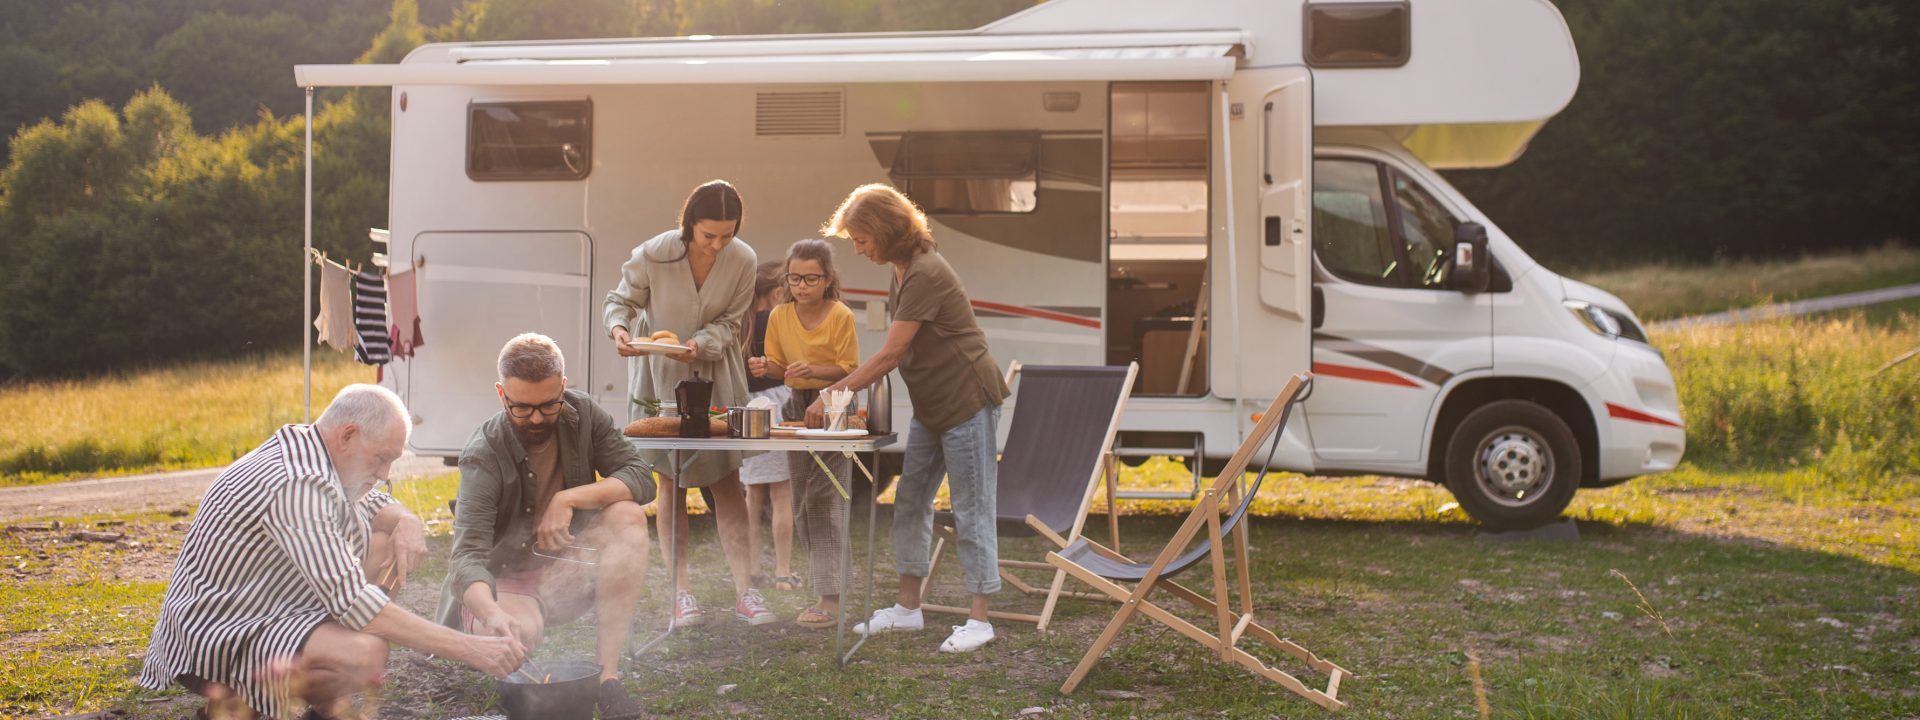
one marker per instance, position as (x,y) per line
(1513,465)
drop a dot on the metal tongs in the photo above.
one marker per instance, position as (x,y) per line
(563,558)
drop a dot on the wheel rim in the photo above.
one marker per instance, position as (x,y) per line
(1513,466)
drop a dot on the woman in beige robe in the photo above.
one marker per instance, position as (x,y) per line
(697,281)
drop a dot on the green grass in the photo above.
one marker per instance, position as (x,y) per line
(1785,597)
(195,415)
(1808,393)
(1660,292)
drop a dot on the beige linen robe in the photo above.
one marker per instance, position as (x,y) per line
(656,292)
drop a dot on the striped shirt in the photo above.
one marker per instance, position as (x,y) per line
(274,551)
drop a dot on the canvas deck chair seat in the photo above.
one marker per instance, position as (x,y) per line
(1106,570)
(1059,449)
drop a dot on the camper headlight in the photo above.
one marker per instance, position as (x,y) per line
(1595,318)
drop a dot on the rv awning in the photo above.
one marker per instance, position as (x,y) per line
(1130,56)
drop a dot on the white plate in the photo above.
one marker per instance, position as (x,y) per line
(825,433)
(658,347)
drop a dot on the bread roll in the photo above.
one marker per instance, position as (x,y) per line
(665,336)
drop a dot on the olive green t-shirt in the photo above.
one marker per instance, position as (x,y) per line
(949,374)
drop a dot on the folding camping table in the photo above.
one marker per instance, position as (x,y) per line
(682,451)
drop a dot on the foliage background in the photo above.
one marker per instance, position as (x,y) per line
(151,181)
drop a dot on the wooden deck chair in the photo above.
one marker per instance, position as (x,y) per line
(1105,570)
(1059,449)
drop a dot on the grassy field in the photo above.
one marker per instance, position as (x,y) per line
(1660,292)
(197,415)
(1689,595)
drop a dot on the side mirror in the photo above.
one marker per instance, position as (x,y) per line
(1471,265)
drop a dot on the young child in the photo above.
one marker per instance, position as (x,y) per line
(811,343)
(765,475)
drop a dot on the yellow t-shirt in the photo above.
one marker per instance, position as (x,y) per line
(834,342)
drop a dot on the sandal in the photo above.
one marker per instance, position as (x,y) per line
(788,583)
(814,617)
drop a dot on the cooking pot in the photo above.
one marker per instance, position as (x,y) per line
(554,690)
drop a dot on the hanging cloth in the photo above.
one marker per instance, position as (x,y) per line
(370,319)
(403,298)
(335,322)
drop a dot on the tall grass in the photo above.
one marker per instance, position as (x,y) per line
(195,415)
(1801,394)
(1658,292)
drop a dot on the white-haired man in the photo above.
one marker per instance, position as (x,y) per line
(527,483)
(280,596)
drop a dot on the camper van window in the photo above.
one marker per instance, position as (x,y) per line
(546,140)
(969,172)
(1351,234)
(1426,230)
(1358,35)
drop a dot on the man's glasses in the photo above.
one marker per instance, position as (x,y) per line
(808,280)
(524,411)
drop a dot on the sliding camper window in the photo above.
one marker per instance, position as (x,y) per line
(1358,35)
(545,140)
(969,173)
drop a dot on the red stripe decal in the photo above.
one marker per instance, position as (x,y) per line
(1362,374)
(1008,309)
(1637,416)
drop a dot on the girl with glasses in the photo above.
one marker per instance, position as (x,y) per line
(811,343)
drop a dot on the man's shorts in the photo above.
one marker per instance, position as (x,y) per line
(565,590)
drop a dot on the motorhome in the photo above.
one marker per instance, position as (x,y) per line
(1224,191)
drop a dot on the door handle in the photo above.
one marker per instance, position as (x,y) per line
(1266,145)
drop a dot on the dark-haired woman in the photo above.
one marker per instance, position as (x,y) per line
(697,281)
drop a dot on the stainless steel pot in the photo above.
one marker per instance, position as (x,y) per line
(750,423)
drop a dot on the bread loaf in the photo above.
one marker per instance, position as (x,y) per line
(654,427)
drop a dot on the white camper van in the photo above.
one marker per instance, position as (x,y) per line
(1226,191)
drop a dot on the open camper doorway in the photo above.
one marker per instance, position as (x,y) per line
(1157,238)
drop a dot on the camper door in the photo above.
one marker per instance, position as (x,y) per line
(1263,286)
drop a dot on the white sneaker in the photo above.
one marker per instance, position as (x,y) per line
(968,637)
(892,619)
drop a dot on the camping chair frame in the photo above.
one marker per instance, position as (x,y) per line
(1105,472)
(1232,628)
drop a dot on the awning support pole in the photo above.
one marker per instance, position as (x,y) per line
(306,272)
(1233,268)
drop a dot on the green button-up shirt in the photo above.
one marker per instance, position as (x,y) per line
(493,520)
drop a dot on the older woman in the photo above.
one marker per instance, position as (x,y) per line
(697,281)
(956,391)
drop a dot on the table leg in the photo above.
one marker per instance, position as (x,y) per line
(846,555)
(668,521)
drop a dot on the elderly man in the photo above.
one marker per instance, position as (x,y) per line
(537,540)
(280,595)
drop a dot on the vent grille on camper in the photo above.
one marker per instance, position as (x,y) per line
(815,112)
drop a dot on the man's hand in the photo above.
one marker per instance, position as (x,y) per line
(409,541)
(817,414)
(498,623)
(800,370)
(620,340)
(555,529)
(496,656)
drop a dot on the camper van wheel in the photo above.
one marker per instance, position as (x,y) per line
(1512,465)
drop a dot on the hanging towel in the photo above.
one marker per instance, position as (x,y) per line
(370,319)
(403,297)
(336,307)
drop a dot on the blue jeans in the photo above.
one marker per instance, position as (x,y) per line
(964,455)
